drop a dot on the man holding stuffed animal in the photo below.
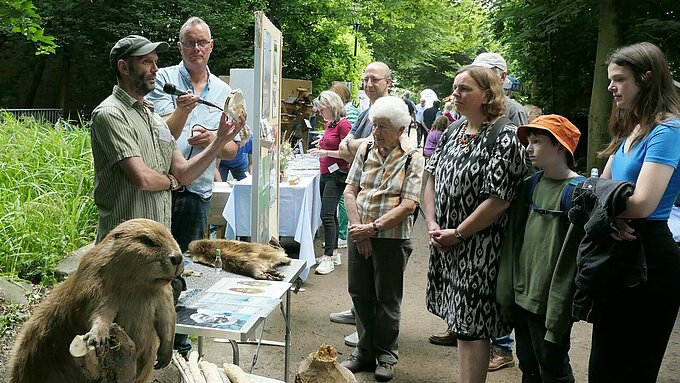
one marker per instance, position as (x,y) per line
(136,158)
(193,124)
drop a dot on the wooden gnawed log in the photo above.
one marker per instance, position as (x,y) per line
(322,367)
(210,372)
(115,364)
(235,373)
(85,357)
(183,369)
(195,370)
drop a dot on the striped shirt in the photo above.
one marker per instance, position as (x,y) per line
(351,113)
(123,127)
(383,182)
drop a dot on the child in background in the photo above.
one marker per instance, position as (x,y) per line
(538,264)
(438,127)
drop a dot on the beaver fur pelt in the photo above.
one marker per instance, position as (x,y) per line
(245,258)
(124,279)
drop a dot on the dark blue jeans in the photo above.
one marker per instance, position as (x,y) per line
(189,217)
(540,361)
(331,186)
(238,174)
(189,220)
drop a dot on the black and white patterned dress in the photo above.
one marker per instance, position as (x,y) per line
(461,285)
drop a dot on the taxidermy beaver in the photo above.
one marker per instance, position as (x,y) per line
(245,258)
(124,279)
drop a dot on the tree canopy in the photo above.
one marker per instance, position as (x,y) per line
(555,48)
(20,16)
(424,41)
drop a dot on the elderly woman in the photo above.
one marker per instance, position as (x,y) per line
(383,190)
(333,173)
(474,174)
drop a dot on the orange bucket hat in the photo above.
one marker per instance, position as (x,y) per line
(564,131)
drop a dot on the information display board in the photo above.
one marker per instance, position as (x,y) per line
(266,130)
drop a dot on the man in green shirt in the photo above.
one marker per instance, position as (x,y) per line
(136,159)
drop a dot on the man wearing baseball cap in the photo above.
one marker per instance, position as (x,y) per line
(136,160)
(536,275)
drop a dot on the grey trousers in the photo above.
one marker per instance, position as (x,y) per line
(376,286)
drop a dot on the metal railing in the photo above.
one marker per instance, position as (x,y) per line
(51,115)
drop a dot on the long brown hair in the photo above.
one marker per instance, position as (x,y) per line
(657,101)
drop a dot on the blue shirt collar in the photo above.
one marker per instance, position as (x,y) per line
(186,77)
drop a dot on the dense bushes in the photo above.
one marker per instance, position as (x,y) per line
(47,208)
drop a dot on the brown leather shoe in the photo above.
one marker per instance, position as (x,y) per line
(498,360)
(448,338)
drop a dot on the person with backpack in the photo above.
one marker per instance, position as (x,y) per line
(473,176)
(538,262)
(382,193)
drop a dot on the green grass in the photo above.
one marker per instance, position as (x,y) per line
(46,203)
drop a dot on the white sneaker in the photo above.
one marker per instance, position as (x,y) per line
(337,259)
(352,339)
(325,266)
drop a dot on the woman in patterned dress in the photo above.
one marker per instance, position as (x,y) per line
(466,198)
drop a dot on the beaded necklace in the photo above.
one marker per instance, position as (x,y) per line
(464,138)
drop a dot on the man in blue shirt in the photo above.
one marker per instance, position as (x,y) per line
(192,124)
(239,165)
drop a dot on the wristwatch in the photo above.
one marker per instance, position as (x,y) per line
(375,228)
(173,182)
(458,235)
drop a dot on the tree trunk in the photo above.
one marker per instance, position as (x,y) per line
(64,81)
(600,99)
(35,81)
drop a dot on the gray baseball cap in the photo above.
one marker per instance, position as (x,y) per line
(491,60)
(135,45)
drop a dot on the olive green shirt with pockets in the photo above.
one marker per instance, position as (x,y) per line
(123,127)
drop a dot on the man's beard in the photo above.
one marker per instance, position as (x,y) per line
(139,83)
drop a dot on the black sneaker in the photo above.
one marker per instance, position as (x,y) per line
(384,372)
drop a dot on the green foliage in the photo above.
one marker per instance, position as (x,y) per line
(11,316)
(47,209)
(315,43)
(426,41)
(20,16)
(553,44)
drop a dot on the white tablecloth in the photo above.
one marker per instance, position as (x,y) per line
(299,213)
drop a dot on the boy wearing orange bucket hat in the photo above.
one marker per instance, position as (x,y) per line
(537,266)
